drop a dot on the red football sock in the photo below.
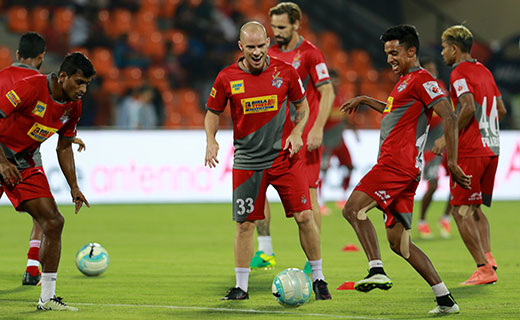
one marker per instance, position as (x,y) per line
(33,257)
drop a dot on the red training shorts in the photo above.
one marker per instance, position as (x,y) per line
(482,170)
(287,176)
(34,185)
(312,162)
(394,192)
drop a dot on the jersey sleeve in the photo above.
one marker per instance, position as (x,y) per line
(429,91)
(296,89)
(217,99)
(69,130)
(318,68)
(460,84)
(20,96)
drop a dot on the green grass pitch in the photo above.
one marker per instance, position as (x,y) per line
(176,261)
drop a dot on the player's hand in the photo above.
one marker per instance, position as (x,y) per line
(439,145)
(10,174)
(211,154)
(314,139)
(351,105)
(293,143)
(80,143)
(78,199)
(459,177)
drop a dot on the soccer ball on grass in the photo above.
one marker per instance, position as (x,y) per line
(92,259)
(292,288)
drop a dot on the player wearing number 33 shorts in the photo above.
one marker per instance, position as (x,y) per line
(259,89)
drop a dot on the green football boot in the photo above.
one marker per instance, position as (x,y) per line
(262,261)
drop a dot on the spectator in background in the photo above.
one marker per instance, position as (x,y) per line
(136,110)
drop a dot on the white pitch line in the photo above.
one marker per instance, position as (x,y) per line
(226,310)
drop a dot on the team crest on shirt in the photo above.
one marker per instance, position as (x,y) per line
(39,109)
(277,80)
(13,98)
(304,200)
(403,85)
(40,133)
(296,63)
(237,86)
(65,117)
(260,104)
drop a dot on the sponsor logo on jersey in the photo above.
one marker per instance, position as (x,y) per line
(304,200)
(213,92)
(322,71)
(13,98)
(432,88)
(39,109)
(277,80)
(65,117)
(237,86)
(40,133)
(260,104)
(389,103)
(461,86)
(296,63)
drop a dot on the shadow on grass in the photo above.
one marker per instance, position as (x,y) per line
(16,289)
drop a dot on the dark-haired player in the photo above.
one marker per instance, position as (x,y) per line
(30,54)
(391,184)
(33,109)
(479,107)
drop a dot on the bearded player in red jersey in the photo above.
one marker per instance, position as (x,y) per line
(312,69)
(259,89)
(33,109)
(30,53)
(479,106)
(391,184)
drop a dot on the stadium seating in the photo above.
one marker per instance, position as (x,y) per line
(39,19)
(18,19)
(5,57)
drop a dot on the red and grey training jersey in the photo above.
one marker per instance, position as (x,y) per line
(405,122)
(259,110)
(480,137)
(32,116)
(310,64)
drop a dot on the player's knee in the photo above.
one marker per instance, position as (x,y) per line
(53,225)
(303,217)
(348,212)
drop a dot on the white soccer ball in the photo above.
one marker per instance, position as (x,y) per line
(92,259)
(292,288)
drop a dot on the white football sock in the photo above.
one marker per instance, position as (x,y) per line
(317,273)
(242,278)
(375,264)
(440,289)
(48,286)
(265,244)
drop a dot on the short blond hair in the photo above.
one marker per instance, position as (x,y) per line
(460,36)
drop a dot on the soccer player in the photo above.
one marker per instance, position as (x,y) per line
(310,64)
(479,106)
(30,54)
(391,183)
(431,166)
(259,89)
(33,109)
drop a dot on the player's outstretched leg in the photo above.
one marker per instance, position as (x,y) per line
(45,212)
(355,212)
(310,241)
(400,243)
(32,275)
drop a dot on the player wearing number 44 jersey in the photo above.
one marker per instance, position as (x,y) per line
(391,184)
(266,142)
(479,106)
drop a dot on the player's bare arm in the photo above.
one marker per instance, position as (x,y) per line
(315,136)
(294,142)
(501,109)
(449,122)
(81,145)
(352,104)
(211,126)
(68,167)
(9,172)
